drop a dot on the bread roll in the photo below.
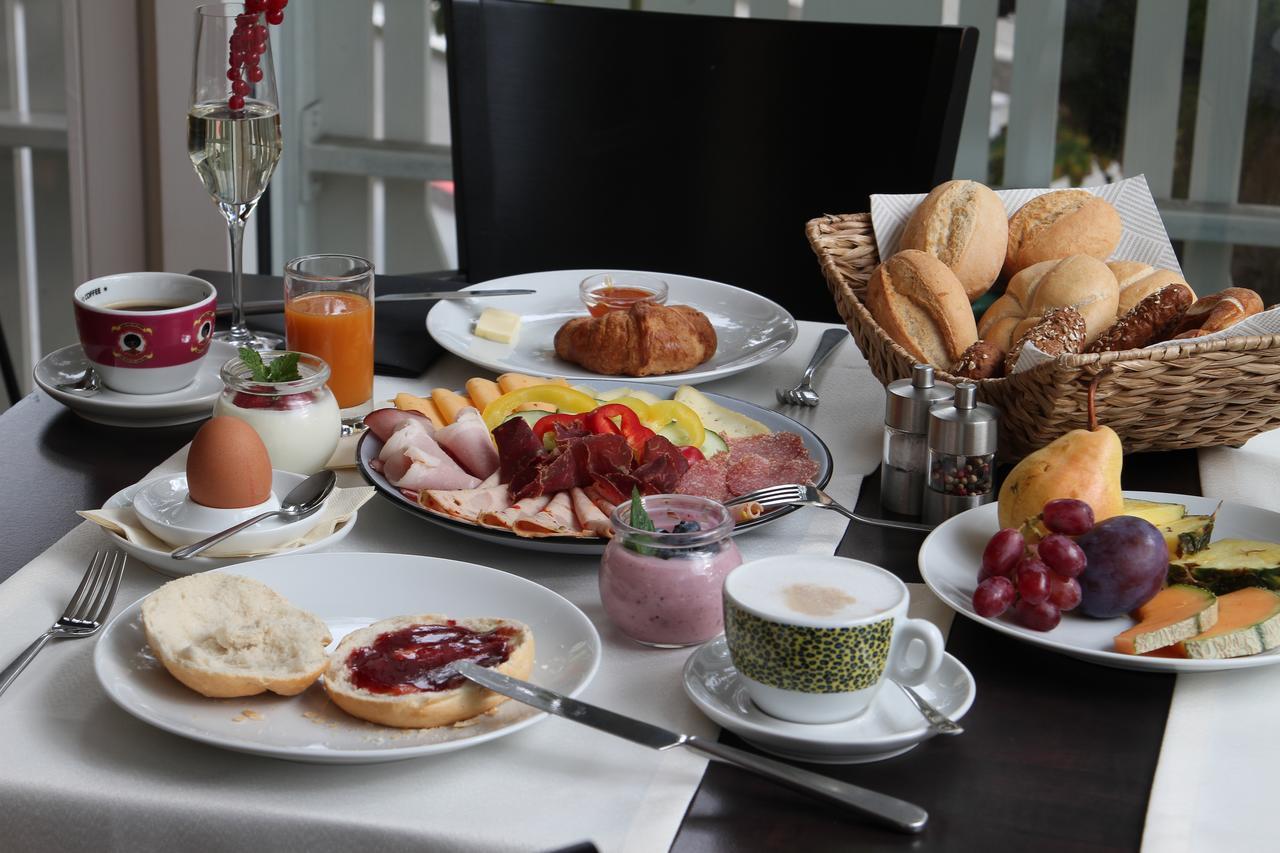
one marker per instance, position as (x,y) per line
(1151,320)
(225,635)
(423,708)
(920,303)
(1080,282)
(1059,331)
(982,360)
(962,224)
(1221,310)
(1137,281)
(1058,224)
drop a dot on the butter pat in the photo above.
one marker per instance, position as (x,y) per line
(498,325)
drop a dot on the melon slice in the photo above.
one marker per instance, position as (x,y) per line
(1176,613)
(1157,513)
(1248,623)
(1187,535)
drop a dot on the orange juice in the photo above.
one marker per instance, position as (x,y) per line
(337,327)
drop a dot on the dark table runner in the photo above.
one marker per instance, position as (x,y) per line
(1058,754)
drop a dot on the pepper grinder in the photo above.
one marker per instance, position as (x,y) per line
(962,451)
(906,425)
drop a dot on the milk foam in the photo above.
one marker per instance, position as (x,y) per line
(814,592)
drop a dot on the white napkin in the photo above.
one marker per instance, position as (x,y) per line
(1246,475)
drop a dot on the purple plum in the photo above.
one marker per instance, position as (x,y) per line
(1128,563)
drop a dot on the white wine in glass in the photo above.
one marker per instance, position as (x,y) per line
(233,131)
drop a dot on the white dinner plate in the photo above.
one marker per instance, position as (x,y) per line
(951,554)
(369,447)
(750,328)
(113,408)
(281,483)
(349,591)
(890,727)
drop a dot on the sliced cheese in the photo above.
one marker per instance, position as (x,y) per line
(495,324)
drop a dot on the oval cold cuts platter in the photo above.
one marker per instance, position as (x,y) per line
(950,557)
(369,447)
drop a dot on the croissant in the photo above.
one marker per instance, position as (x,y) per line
(644,340)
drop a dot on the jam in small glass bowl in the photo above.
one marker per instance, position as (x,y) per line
(297,420)
(618,291)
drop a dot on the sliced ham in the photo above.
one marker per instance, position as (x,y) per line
(589,515)
(384,422)
(491,480)
(467,440)
(466,504)
(505,518)
(411,459)
(555,519)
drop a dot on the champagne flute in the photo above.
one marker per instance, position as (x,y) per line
(233,131)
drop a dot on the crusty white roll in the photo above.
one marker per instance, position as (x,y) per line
(962,224)
(1137,281)
(225,635)
(1080,282)
(1058,224)
(423,709)
(920,303)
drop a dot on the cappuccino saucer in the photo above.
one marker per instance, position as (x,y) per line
(890,727)
(115,408)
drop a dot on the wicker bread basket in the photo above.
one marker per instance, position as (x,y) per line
(1221,392)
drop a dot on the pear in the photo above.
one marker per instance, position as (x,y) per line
(1083,464)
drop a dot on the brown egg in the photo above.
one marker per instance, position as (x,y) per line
(228,466)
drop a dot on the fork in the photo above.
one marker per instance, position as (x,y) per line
(803,394)
(84,614)
(796,494)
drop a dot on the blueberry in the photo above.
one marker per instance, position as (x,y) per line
(687,527)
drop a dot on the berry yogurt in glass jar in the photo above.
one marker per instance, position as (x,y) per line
(662,574)
(296,418)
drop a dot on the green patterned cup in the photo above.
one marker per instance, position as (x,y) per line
(813,637)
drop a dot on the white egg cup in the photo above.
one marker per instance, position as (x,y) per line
(165,508)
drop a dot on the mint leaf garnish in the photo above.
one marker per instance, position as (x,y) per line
(641,521)
(253,361)
(284,368)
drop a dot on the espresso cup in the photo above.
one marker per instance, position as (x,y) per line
(813,637)
(145,332)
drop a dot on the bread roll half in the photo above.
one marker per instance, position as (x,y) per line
(422,709)
(920,303)
(1079,282)
(1058,224)
(962,224)
(1137,281)
(225,635)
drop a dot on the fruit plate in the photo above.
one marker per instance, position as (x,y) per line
(369,447)
(951,554)
(750,329)
(349,591)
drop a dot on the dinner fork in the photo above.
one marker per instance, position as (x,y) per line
(803,394)
(797,494)
(85,613)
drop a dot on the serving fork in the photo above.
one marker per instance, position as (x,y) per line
(85,613)
(797,494)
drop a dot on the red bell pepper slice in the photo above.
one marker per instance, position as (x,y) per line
(692,453)
(629,426)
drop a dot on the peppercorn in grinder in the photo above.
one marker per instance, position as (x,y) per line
(962,453)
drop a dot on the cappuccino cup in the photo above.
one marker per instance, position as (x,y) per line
(814,637)
(145,332)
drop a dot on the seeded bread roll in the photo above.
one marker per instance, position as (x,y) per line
(1058,224)
(422,709)
(225,635)
(962,224)
(982,360)
(1218,311)
(920,303)
(1153,319)
(1080,282)
(1137,281)
(1060,330)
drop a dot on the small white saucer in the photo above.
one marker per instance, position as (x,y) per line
(113,408)
(282,482)
(890,727)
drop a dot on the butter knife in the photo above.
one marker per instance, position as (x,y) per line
(275,306)
(888,811)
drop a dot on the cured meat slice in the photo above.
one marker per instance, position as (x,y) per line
(747,472)
(384,422)
(516,444)
(662,467)
(466,504)
(410,433)
(491,480)
(555,519)
(589,515)
(604,454)
(758,461)
(706,478)
(418,468)
(504,518)
(467,441)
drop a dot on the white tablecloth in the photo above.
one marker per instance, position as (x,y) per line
(80,773)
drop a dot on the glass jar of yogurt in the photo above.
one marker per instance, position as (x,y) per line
(298,420)
(664,587)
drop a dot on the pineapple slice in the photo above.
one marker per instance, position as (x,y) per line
(1187,535)
(1157,513)
(1228,565)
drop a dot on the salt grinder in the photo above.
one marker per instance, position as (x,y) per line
(962,453)
(906,427)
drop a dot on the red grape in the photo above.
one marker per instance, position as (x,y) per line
(993,596)
(1067,515)
(1062,555)
(1064,593)
(1001,554)
(1038,617)
(1032,577)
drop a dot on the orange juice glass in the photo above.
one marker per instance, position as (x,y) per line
(328,312)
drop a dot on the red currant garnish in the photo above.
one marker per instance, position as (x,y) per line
(255,73)
(236,102)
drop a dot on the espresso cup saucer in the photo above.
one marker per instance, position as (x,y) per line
(890,727)
(114,408)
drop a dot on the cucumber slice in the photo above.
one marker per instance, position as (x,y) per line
(712,443)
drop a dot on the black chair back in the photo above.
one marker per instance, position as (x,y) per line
(690,144)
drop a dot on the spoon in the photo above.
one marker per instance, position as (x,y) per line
(304,499)
(86,383)
(938,721)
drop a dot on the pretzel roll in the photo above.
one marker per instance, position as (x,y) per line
(1218,311)
(1059,224)
(962,224)
(1151,320)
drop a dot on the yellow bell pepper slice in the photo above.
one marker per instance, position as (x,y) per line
(564,398)
(665,412)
